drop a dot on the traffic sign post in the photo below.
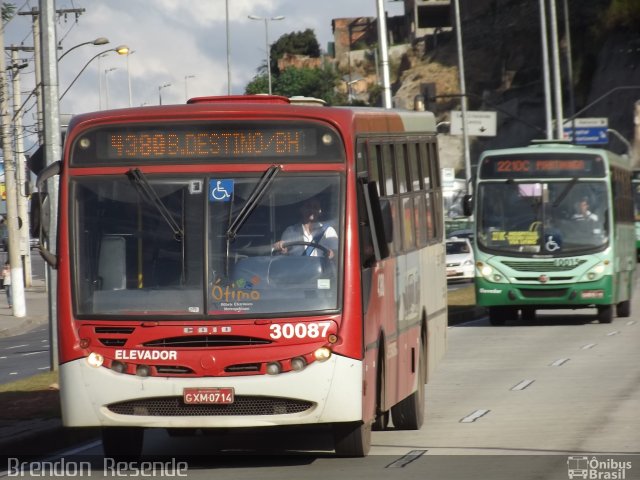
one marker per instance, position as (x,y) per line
(479,123)
(587,131)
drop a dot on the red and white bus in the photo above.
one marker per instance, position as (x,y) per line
(176,311)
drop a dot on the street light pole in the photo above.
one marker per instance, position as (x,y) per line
(97,55)
(106,83)
(160,92)
(226,11)
(124,50)
(97,41)
(266,37)
(186,90)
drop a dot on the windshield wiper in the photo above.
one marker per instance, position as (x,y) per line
(253,200)
(148,192)
(565,192)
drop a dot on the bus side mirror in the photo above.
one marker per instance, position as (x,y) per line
(467,205)
(46,213)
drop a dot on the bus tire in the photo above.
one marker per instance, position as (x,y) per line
(605,313)
(409,413)
(623,309)
(381,421)
(122,443)
(529,315)
(352,439)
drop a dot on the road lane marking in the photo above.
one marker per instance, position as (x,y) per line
(18,346)
(588,346)
(472,417)
(522,385)
(406,459)
(33,353)
(611,334)
(631,322)
(559,362)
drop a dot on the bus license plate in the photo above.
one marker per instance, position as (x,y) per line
(197,396)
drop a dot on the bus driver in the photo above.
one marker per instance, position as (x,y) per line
(309,230)
(583,211)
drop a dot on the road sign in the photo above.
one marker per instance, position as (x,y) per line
(479,124)
(588,131)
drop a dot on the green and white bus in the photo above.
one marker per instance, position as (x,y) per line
(636,207)
(554,229)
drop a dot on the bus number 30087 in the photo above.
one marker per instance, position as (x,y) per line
(299,330)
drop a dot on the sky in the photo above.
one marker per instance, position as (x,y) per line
(178,42)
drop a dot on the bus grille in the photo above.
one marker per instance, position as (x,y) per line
(243,405)
(551,293)
(544,266)
(200,341)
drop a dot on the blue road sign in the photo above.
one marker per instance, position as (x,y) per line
(588,135)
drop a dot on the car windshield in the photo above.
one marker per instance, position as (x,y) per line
(163,246)
(454,248)
(551,218)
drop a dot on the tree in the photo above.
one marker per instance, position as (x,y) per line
(8,9)
(294,43)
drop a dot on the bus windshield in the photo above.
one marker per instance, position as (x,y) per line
(162,245)
(557,218)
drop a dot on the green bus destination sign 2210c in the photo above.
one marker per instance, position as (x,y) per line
(546,167)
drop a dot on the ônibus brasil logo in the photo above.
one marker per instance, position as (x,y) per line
(597,468)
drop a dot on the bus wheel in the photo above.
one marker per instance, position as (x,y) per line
(529,315)
(122,443)
(605,313)
(382,417)
(409,413)
(352,439)
(623,309)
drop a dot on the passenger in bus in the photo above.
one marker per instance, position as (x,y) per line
(309,230)
(584,213)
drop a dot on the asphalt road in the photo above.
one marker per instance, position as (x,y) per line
(518,401)
(24,355)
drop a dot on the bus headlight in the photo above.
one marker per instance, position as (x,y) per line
(489,273)
(298,363)
(95,359)
(322,354)
(485,270)
(274,368)
(597,272)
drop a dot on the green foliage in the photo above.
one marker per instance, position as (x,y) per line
(623,14)
(8,10)
(307,82)
(296,43)
(259,84)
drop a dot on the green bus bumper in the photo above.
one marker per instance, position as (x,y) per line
(600,292)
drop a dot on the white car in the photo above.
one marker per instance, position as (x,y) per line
(460,262)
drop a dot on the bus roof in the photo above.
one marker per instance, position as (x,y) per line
(363,119)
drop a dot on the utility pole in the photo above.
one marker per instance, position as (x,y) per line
(35,23)
(384,54)
(21,197)
(17,278)
(52,150)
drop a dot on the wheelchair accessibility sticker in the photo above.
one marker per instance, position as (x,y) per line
(220,190)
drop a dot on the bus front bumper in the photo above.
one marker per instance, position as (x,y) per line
(560,295)
(324,392)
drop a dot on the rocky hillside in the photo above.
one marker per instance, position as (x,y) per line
(503,68)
